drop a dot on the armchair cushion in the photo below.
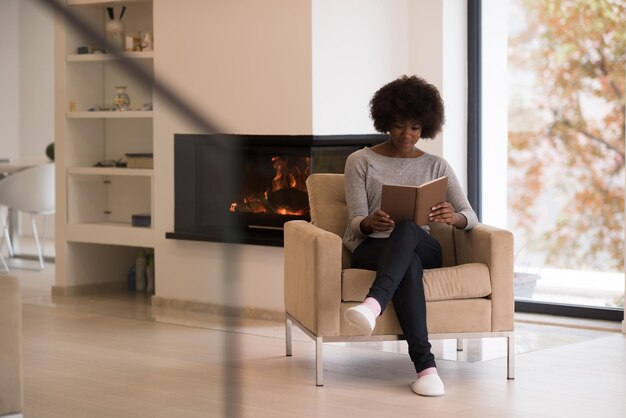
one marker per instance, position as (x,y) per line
(448,283)
(446,316)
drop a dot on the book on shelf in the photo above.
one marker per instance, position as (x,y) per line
(413,202)
(140,160)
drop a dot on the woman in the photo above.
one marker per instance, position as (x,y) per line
(408,109)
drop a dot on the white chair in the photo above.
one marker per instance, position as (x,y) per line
(4,233)
(28,191)
(5,268)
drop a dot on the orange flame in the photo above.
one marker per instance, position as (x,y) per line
(290,173)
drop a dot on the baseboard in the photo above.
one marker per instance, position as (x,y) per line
(88,289)
(184,305)
(215,308)
(12,416)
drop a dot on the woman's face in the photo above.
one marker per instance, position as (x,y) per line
(404,135)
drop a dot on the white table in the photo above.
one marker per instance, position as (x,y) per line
(7,168)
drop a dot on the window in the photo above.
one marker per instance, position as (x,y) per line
(553,147)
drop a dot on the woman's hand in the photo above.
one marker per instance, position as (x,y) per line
(444,212)
(377,221)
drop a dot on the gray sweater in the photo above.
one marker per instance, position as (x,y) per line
(366,172)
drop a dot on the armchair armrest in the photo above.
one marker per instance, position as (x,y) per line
(493,247)
(313,277)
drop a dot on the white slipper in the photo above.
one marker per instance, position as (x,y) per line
(429,385)
(362,318)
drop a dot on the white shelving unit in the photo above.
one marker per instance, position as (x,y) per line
(129,114)
(146,55)
(95,205)
(106,3)
(106,171)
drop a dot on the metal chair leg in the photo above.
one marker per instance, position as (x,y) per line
(319,361)
(5,268)
(37,243)
(510,359)
(288,324)
(6,237)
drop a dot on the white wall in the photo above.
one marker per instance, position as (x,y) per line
(438,53)
(9,79)
(287,67)
(454,88)
(248,65)
(426,52)
(358,46)
(36,86)
(495,112)
(26,79)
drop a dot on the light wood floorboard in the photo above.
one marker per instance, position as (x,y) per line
(81,364)
(113,355)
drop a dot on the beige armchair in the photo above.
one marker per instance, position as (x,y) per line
(471,296)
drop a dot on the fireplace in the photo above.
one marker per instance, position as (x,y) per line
(243,188)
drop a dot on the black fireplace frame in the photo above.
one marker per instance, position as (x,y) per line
(185,220)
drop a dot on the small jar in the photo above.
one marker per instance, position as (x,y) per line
(121,100)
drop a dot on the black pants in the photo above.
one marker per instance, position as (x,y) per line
(399,262)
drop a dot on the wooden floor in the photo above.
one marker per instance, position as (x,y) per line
(112,356)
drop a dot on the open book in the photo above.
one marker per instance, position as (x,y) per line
(413,202)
